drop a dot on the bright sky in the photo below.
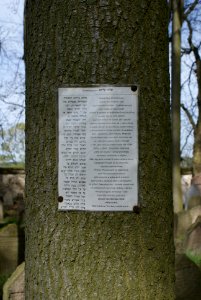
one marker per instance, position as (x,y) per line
(11,11)
(11,74)
(12,66)
(11,36)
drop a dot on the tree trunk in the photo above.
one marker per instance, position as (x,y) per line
(197,130)
(85,255)
(176,91)
(197,148)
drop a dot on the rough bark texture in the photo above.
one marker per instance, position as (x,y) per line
(84,255)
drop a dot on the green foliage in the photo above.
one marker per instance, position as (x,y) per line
(7,165)
(196,258)
(9,220)
(12,149)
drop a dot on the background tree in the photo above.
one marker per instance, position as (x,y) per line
(191,85)
(85,255)
(185,21)
(177,9)
(11,69)
(12,143)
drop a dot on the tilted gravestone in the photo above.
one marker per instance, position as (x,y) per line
(14,287)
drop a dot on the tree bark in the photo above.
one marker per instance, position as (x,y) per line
(196,125)
(197,130)
(176,93)
(87,255)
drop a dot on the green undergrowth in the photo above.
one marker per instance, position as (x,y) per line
(194,258)
(18,165)
(9,220)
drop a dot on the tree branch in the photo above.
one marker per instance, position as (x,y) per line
(190,9)
(12,103)
(186,141)
(190,37)
(185,51)
(189,116)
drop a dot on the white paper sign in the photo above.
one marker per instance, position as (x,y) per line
(98,148)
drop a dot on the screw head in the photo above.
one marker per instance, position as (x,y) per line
(136,209)
(60,199)
(133,88)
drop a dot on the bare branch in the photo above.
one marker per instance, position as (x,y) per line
(189,116)
(191,7)
(12,103)
(185,51)
(186,141)
(190,40)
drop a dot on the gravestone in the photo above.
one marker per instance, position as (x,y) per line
(188,279)
(183,222)
(184,219)
(14,287)
(8,249)
(193,194)
(11,186)
(193,239)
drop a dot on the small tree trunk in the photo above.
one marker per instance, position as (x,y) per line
(197,131)
(176,86)
(197,150)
